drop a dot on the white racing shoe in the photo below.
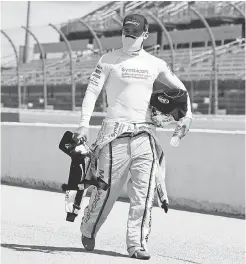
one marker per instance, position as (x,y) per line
(141,254)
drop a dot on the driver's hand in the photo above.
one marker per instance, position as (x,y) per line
(81,134)
(186,122)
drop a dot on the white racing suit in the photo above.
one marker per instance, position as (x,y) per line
(127,142)
(122,148)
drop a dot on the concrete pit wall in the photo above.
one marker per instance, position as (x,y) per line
(206,173)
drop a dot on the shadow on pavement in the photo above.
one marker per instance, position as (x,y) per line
(49,249)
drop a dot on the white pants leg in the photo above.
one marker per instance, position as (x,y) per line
(141,188)
(113,167)
(116,159)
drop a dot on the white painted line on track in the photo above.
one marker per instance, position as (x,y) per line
(233,118)
(208,131)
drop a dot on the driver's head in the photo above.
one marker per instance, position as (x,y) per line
(134,31)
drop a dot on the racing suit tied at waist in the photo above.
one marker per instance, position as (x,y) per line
(110,130)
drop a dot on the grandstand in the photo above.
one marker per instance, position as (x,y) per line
(193,55)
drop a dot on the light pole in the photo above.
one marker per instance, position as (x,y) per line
(26,53)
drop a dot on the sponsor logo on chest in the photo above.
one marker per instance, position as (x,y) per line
(135,73)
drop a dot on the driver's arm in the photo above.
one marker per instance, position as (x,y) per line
(97,80)
(167,77)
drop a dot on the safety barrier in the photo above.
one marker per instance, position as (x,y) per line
(206,173)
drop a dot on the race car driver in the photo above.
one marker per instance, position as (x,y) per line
(128,75)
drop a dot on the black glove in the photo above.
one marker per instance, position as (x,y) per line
(165,206)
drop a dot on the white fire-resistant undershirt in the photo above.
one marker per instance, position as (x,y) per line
(128,79)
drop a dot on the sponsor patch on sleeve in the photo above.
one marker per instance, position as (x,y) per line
(99,67)
(98,71)
(96,75)
(94,81)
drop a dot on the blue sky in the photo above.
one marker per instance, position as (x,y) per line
(13,16)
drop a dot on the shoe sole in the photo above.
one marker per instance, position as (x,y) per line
(136,255)
(142,258)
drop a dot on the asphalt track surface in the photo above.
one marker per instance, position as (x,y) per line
(34,230)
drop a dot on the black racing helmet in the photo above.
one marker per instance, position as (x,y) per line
(168,105)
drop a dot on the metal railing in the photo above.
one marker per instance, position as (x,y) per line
(219,50)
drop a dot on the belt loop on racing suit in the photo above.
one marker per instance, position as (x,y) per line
(135,132)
